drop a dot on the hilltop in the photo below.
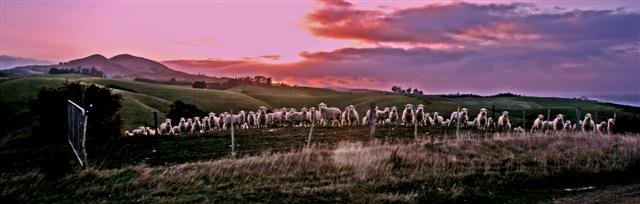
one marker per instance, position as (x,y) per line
(124,66)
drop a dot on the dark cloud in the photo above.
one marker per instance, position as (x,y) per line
(464,24)
(465,47)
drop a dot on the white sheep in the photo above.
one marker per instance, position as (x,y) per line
(262,117)
(294,118)
(490,123)
(558,123)
(439,120)
(196,125)
(588,124)
(382,117)
(139,131)
(429,120)
(251,119)
(331,114)
(183,125)
(567,125)
(407,115)
(280,117)
(419,118)
(600,128)
(175,130)
(343,116)
(150,131)
(503,121)
(481,119)
(537,124)
(446,122)
(461,116)
(393,115)
(314,116)
(271,117)
(165,128)
(352,116)
(206,124)
(518,129)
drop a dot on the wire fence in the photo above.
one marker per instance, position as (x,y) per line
(77,128)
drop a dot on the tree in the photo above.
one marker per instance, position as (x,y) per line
(199,84)
(180,109)
(53,153)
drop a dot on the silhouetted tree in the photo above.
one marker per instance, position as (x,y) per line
(50,130)
(180,109)
(199,84)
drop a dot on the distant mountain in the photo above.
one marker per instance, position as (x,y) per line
(120,66)
(7,61)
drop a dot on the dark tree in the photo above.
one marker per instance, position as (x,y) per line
(50,130)
(199,84)
(180,109)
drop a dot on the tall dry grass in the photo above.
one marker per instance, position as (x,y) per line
(495,169)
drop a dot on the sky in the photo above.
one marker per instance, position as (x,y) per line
(556,48)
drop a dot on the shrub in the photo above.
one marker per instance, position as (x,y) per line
(50,111)
(180,109)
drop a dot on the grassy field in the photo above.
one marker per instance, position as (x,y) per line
(140,100)
(274,165)
(497,168)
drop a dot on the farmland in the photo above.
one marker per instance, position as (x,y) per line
(340,165)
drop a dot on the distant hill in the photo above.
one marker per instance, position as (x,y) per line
(7,62)
(121,66)
(140,100)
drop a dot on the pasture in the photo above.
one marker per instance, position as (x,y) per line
(490,168)
(341,165)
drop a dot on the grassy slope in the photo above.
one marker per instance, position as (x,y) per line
(138,107)
(496,170)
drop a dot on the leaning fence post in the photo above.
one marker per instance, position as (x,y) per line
(372,121)
(311,130)
(233,139)
(458,123)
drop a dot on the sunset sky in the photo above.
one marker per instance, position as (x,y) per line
(558,48)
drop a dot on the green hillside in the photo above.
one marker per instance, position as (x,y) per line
(140,100)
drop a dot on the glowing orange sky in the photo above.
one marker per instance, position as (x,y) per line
(165,30)
(363,44)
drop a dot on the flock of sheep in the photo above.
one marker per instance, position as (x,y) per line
(330,116)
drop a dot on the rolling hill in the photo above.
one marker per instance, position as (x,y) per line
(140,100)
(120,66)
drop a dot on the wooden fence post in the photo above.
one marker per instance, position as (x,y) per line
(233,139)
(311,130)
(155,127)
(372,121)
(458,123)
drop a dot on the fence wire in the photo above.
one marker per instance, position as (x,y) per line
(77,123)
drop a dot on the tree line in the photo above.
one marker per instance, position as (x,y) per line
(84,71)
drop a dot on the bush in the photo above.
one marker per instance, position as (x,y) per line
(50,110)
(180,109)
(199,85)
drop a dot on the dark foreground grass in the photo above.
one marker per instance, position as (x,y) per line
(495,169)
